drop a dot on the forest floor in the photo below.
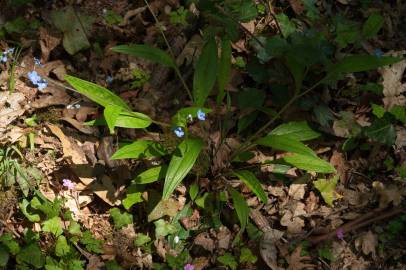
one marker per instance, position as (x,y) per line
(65,204)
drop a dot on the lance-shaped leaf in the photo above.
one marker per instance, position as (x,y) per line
(205,73)
(223,75)
(286,143)
(241,207)
(96,93)
(111,114)
(140,149)
(181,163)
(151,175)
(150,53)
(309,163)
(299,131)
(253,183)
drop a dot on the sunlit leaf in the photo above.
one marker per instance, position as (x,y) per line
(181,163)
(140,149)
(327,189)
(309,163)
(299,131)
(286,143)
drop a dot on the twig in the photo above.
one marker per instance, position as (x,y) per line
(269,9)
(363,221)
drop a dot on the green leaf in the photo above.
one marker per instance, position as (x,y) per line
(181,163)
(75,264)
(372,26)
(359,63)
(347,33)
(31,255)
(120,219)
(141,240)
(241,207)
(140,149)
(111,113)
(327,189)
(162,228)
(250,98)
(4,256)
(309,163)
(133,120)
(180,119)
(96,93)
(253,183)
(205,73)
(53,226)
(248,11)
(399,112)
(247,256)
(74,228)
(113,265)
(223,75)
(228,260)
(297,69)
(62,248)
(132,197)
(299,131)
(75,27)
(92,245)
(193,191)
(150,53)
(381,131)
(378,110)
(151,175)
(287,26)
(7,240)
(31,217)
(285,143)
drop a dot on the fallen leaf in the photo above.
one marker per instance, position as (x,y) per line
(294,224)
(297,6)
(297,191)
(392,82)
(10,108)
(52,96)
(90,130)
(368,243)
(267,247)
(327,189)
(106,191)
(169,207)
(387,195)
(48,42)
(204,240)
(200,263)
(223,238)
(339,162)
(296,261)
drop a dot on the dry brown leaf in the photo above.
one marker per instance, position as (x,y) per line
(200,263)
(223,238)
(297,191)
(169,207)
(106,191)
(204,240)
(190,51)
(55,96)
(297,6)
(400,137)
(48,42)
(392,82)
(390,194)
(267,247)
(277,191)
(312,202)
(70,149)
(294,224)
(339,162)
(10,108)
(296,261)
(81,127)
(367,243)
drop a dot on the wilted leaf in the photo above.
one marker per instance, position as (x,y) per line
(327,189)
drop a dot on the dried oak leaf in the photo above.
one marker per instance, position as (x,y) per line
(294,224)
(204,240)
(393,88)
(268,250)
(48,42)
(367,243)
(297,191)
(296,261)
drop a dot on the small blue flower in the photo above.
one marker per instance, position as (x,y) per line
(179,132)
(37,80)
(201,115)
(3,58)
(10,51)
(109,80)
(378,53)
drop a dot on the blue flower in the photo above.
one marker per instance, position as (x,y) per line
(3,58)
(201,115)
(10,51)
(37,80)
(109,80)
(179,132)
(4,55)
(378,53)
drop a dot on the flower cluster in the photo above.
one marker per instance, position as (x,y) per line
(179,132)
(68,184)
(189,267)
(37,80)
(5,54)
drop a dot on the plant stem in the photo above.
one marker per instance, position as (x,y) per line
(249,142)
(175,66)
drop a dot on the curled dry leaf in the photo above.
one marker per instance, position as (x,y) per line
(267,247)
(106,191)
(204,240)
(223,238)
(294,223)
(296,261)
(90,130)
(48,42)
